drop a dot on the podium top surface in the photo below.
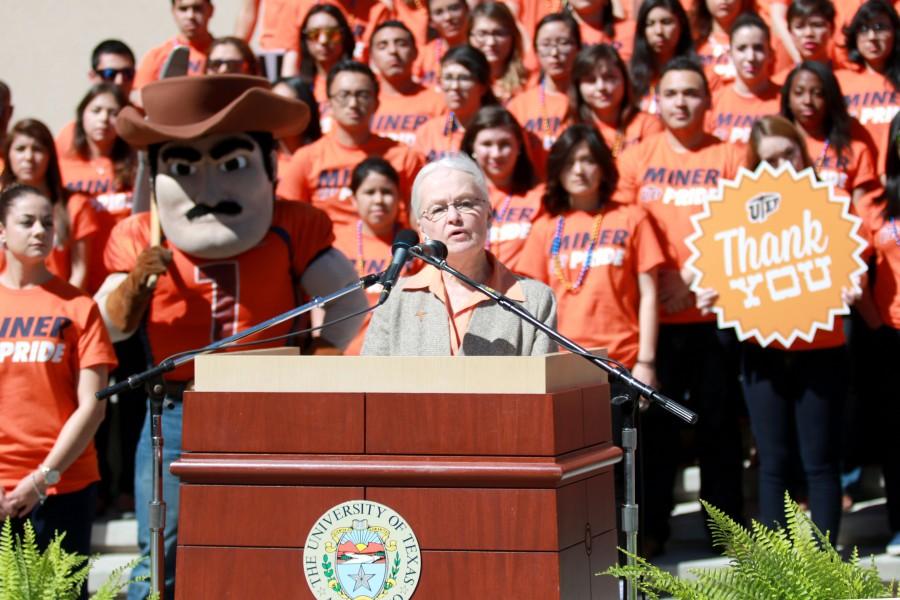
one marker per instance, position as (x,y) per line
(279,372)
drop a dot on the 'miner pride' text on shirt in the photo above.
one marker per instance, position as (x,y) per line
(683,187)
(32,350)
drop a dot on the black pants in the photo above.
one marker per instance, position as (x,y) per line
(796,398)
(883,423)
(72,513)
(696,365)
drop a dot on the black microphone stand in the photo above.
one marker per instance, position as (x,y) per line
(152,380)
(636,388)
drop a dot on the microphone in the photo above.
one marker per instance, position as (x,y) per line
(406,239)
(433,248)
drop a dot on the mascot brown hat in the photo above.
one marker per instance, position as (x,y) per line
(183,108)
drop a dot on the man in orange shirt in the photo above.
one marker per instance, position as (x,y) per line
(192,18)
(403,104)
(232,256)
(672,175)
(320,173)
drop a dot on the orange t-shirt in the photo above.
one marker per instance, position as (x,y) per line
(603,311)
(501,279)
(96,179)
(874,102)
(400,115)
(672,186)
(198,301)
(427,68)
(641,127)
(854,169)
(47,335)
(82,225)
(64,139)
(715,56)
(272,34)
(438,137)
(150,66)
(622,39)
(542,112)
(369,254)
(513,217)
(732,114)
(320,173)
(414,14)
(886,239)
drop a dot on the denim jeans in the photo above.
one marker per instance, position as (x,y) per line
(143,491)
(795,397)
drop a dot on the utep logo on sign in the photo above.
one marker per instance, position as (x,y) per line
(362,550)
(777,246)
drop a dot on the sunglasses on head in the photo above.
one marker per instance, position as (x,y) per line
(232,65)
(111,74)
(332,34)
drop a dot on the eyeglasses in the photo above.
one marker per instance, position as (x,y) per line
(463,81)
(464,206)
(232,65)
(877,28)
(343,97)
(562,46)
(482,35)
(332,34)
(111,74)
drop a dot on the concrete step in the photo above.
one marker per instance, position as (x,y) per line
(114,535)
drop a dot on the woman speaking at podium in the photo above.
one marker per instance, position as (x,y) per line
(434,314)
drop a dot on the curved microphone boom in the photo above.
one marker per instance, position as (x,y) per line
(405,239)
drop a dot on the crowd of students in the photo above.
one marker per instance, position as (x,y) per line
(601,126)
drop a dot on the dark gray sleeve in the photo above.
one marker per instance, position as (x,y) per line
(329,272)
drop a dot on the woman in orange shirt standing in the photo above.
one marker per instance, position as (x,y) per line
(29,157)
(542,108)
(493,30)
(753,94)
(599,256)
(871,84)
(100,165)
(604,99)
(661,33)
(450,19)
(711,21)
(497,143)
(54,355)
(842,150)
(466,86)
(599,25)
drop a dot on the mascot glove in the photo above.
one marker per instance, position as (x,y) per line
(126,304)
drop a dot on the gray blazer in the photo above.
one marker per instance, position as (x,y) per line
(415,323)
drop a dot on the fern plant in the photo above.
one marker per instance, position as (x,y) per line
(26,573)
(796,562)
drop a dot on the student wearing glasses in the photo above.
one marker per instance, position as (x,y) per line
(542,108)
(493,30)
(465,84)
(325,40)
(112,62)
(871,83)
(434,314)
(321,172)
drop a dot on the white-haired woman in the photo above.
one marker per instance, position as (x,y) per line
(434,314)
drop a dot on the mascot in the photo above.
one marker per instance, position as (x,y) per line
(231,255)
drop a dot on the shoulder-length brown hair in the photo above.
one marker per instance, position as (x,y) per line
(556,199)
(52,178)
(122,155)
(514,74)
(492,116)
(586,61)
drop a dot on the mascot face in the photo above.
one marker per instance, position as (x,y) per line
(214,196)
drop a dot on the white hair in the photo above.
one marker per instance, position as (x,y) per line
(456,162)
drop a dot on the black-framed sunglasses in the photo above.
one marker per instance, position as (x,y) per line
(111,74)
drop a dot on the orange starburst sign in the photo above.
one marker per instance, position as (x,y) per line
(777,246)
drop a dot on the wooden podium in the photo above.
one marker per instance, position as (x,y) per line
(501,465)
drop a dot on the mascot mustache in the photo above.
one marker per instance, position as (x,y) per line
(225,207)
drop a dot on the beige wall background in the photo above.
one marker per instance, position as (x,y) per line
(45,47)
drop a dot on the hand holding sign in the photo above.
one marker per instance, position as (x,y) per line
(777,248)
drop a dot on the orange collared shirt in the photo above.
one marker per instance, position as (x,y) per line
(501,279)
